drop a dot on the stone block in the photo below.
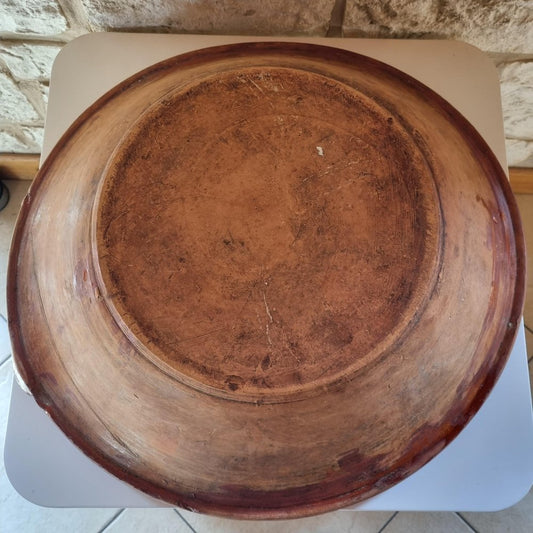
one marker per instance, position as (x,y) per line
(43,17)
(33,138)
(16,139)
(10,142)
(519,153)
(492,25)
(45,90)
(516,81)
(29,61)
(15,106)
(36,93)
(276,17)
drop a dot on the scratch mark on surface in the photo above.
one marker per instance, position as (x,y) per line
(268,335)
(257,86)
(267,308)
(261,91)
(269,314)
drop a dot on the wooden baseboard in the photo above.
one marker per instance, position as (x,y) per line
(25,166)
(521,180)
(19,166)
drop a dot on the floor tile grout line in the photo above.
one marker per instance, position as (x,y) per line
(388,521)
(185,520)
(527,328)
(2,363)
(111,521)
(466,522)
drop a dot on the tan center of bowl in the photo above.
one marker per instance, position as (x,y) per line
(265,233)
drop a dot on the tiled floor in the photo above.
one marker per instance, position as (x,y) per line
(18,515)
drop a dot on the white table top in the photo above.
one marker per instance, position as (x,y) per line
(489,466)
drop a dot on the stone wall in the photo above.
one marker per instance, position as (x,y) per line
(33,31)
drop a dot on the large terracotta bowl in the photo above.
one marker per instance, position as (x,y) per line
(266,280)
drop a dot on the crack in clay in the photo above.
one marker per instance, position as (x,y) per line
(269,314)
(268,335)
(257,86)
(261,91)
(267,308)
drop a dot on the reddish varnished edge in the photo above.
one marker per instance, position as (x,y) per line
(284,503)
